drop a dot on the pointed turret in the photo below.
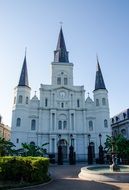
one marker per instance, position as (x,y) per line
(101,104)
(99,82)
(23,81)
(21,107)
(61,54)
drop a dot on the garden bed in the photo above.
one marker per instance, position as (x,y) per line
(23,171)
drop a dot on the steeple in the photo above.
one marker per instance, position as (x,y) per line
(23,81)
(61,54)
(99,82)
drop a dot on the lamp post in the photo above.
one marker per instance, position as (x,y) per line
(71,137)
(101,152)
(59,136)
(71,152)
(100,136)
(90,155)
(60,154)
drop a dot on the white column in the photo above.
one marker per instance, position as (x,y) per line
(84,121)
(50,121)
(53,100)
(74,143)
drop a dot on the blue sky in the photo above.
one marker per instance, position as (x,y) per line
(89,26)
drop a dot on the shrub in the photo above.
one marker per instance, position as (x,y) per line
(40,170)
(27,169)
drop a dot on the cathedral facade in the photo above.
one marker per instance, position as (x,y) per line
(61,114)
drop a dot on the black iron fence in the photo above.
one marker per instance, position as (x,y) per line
(107,159)
(66,158)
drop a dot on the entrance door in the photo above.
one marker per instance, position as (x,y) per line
(63,144)
(92,148)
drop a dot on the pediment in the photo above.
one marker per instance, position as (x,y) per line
(62,88)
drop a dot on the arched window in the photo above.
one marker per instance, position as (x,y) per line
(115,133)
(46,102)
(59,124)
(123,132)
(103,101)
(72,121)
(65,81)
(32,143)
(117,119)
(78,103)
(27,100)
(33,124)
(97,102)
(20,99)
(53,121)
(105,123)
(124,115)
(62,105)
(64,124)
(90,125)
(18,122)
(53,145)
(59,80)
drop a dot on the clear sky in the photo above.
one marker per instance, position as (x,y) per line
(89,26)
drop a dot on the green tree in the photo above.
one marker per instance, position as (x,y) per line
(32,150)
(117,144)
(6,147)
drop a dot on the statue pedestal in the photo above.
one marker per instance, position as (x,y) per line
(114,167)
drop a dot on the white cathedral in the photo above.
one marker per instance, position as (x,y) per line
(61,114)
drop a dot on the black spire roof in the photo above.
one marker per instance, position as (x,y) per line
(99,82)
(61,54)
(23,81)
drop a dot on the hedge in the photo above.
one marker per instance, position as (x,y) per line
(26,169)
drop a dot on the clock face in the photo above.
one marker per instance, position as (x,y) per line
(62,94)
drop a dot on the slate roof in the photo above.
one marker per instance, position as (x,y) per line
(23,81)
(61,53)
(99,82)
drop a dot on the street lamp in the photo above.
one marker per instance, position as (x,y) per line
(60,154)
(101,152)
(100,136)
(59,136)
(71,151)
(90,154)
(71,137)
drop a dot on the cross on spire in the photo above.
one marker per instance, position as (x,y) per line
(25,51)
(61,23)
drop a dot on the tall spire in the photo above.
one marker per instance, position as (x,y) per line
(23,81)
(61,54)
(99,82)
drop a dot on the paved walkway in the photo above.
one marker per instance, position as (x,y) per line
(65,177)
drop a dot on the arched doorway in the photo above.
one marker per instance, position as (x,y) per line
(92,149)
(32,143)
(63,143)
